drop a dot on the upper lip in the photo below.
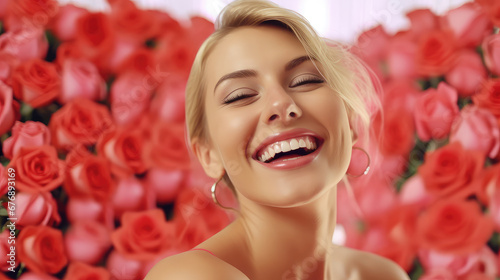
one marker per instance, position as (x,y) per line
(285,135)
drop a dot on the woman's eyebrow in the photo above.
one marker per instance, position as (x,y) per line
(252,73)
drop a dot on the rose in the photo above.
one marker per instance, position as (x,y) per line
(401,57)
(491,52)
(81,121)
(3,180)
(422,21)
(35,276)
(477,129)
(123,147)
(32,12)
(169,102)
(435,53)
(469,23)
(81,78)
(130,97)
(141,60)
(41,249)
(143,235)
(24,43)
(9,108)
(82,271)
(38,169)
(26,134)
(435,111)
(5,249)
(167,148)
(87,241)
(7,64)
(78,209)
(450,170)
(396,133)
(63,25)
(143,198)
(467,74)
(489,97)
(372,44)
(166,184)
(133,23)
(36,82)
(413,192)
(88,176)
(438,274)
(454,226)
(123,267)
(68,50)
(400,94)
(35,209)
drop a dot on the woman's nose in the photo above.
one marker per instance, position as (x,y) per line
(281,108)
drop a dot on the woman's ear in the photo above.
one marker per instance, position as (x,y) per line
(208,157)
(354,136)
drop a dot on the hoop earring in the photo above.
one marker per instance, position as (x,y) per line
(214,196)
(367,166)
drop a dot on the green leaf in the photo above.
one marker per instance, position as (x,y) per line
(417,270)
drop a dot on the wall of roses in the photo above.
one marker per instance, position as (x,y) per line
(96,179)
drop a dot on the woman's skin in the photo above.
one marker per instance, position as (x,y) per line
(287,210)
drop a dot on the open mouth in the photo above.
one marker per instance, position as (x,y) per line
(288,149)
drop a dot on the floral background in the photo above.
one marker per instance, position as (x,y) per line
(96,180)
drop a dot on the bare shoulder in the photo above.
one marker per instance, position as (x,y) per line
(197,265)
(366,265)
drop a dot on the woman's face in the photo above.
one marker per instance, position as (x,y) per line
(281,134)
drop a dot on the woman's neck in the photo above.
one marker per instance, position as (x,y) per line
(289,243)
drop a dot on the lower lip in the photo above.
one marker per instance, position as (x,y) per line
(292,163)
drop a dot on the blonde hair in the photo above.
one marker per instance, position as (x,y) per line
(343,72)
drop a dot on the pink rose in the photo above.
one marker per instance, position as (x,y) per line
(168,103)
(26,134)
(438,274)
(3,180)
(132,195)
(78,209)
(9,108)
(63,25)
(87,241)
(400,94)
(422,21)
(491,51)
(469,23)
(25,43)
(36,209)
(165,183)
(36,276)
(477,129)
(80,78)
(8,63)
(122,267)
(414,192)
(372,44)
(401,58)
(130,97)
(435,112)
(467,74)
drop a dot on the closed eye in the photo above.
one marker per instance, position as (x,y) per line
(308,79)
(237,96)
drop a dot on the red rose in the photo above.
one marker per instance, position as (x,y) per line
(87,241)
(133,23)
(88,176)
(489,97)
(81,121)
(397,134)
(123,149)
(9,108)
(422,21)
(81,78)
(63,24)
(32,12)
(38,169)
(400,94)
(488,190)
(469,23)
(477,129)
(467,74)
(3,180)
(24,43)
(82,271)
(491,52)
(167,148)
(454,226)
(450,170)
(36,209)
(199,29)
(141,60)
(8,63)
(143,235)
(36,276)
(26,134)
(435,53)
(36,82)
(41,249)
(372,44)
(435,111)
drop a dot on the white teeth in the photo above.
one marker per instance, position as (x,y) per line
(268,153)
(285,146)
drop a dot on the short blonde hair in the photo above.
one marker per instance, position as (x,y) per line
(343,72)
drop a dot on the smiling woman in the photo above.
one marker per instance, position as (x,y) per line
(293,107)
